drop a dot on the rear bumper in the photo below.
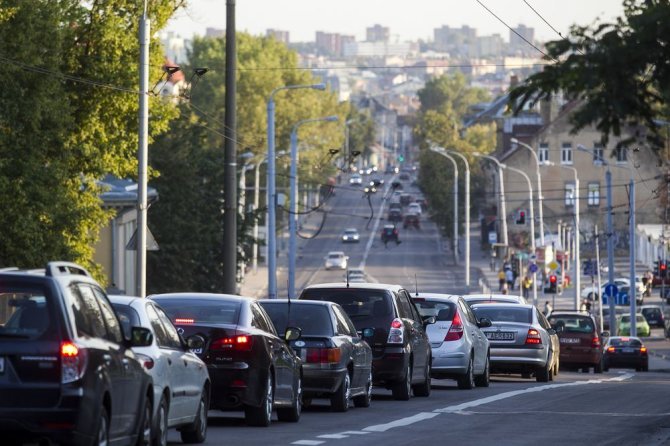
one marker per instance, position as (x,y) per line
(235,385)
(517,359)
(622,361)
(321,381)
(450,358)
(591,358)
(391,366)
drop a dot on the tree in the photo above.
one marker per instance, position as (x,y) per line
(619,71)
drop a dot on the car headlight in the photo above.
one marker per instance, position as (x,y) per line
(355,237)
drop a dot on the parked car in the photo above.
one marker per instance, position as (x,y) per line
(67,371)
(401,353)
(460,349)
(250,367)
(581,345)
(180,378)
(626,352)
(335,259)
(337,362)
(492,298)
(351,235)
(521,339)
(641,325)
(411,221)
(654,315)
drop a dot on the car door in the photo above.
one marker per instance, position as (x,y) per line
(281,356)
(479,341)
(552,337)
(349,343)
(417,337)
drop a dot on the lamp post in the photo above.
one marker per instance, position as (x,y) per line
(532,223)
(293,215)
(540,198)
(467,216)
(502,213)
(142,155)
(347,154)
(443,152)
(271,187)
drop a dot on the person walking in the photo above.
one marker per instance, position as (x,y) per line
(547,308)
(501,280)
(509,278)
(526,286)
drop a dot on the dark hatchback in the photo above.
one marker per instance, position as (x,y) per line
(337,362)
(67,373)
(250,367)
(581,346)
(401,354)
(625,351)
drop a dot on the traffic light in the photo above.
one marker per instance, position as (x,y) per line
(401,158)
(553,283)
(521,217)
(656,268)
(663,269)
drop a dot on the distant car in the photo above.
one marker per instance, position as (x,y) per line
(606,315)
(411,220)
(350,235)
(394,215)
(492,298)
(251,368)
(356,275)
(460,349)
(181,381)
(390,234)
(336,259)
(337,362)
(404,176)
(581,345)
(405,199)
(654,315)
(414,208)
(624,351)
(521,339)
(355,179)
(641,325)
(376,181)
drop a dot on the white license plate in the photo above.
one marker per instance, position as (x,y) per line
(2,364)
(628,350)
(569,340)
(500,335)
(197,351)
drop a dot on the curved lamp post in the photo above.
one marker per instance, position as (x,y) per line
(443,152)
(503,209)
(540,198)
(467,216)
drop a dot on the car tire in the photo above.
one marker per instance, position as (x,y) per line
(606,367)
(484,379)
(365,399)
(144,430)
(645,368)
(423,389)
(402,390)
(467,381)
(542,375)
(339,401)
(160,432)
(261,416)
(102,430)
(197,432)
(292,414)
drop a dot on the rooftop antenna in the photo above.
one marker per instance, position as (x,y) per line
(416,286)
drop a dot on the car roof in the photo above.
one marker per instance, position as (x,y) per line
(357,286)
(201,296)
(505,305)
(627,337)
(122,299)
(330,253)
(570,313)
(322,303)
(437,296)
(350,229)
(501,297)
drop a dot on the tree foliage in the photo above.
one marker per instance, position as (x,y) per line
(620,71)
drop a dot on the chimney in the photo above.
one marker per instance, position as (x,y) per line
(548,110)
(513,81)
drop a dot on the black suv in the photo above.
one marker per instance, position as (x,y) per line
(67,374)
(401,354)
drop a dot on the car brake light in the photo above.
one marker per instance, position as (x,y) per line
(643,349)
(456,330)
(73,362)
(239,343)
(146,361)
(397,332)
(184,320)
(533,337)
(611,349)
(323,355)
(595,342)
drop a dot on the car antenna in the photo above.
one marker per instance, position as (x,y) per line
(288,309)
(346,273)
(416,286)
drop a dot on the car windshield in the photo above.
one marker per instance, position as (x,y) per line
(443,311)
(313,320)
(201,311)
(350,231)
(366,308)
(625,342)
(507,314)
(334,256)
(23,312)
(572,324)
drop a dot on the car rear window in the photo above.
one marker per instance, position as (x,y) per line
(521,315)
(334,256)
(24,312)
(128,318)
(313,320)
(625,342)
(651,312)
(573,324)
(443,311)
(201,311)
(366,308)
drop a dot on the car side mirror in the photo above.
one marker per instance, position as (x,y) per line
(605,334)
(427,320)
(292,333)
(141,337)
(195,342)
(484,322)
(551,331)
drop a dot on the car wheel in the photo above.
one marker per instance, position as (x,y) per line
(467,381)
(261,416)
(339,401)
(645,368)
(364,400)
(542,375)
(159,436)
(423,389)
(483,380)
(144,434)
(292,414)
(197,432)
(402,390)
(103,428)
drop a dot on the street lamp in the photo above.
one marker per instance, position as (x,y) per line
(532,223)
(293,215)
(502,213)
(578,262)
(271,187)
(540,198)
(443,152)
(467,216)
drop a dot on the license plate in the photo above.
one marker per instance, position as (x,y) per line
(2,364)
(628,350)
(569,340)
(197,351)
(500,335)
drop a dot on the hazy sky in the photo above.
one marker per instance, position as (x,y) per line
(407,19)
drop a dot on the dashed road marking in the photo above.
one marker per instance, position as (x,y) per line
(342,435)
(308,442)
(402,422)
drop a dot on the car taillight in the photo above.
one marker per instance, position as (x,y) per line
(72,362)
(643,350)
(610,349)
(397,332)
(184,320)
(456,330)
(533,337)
(323,355)
(595,342)
(238,343)
(146,361)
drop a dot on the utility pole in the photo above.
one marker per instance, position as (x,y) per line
(143,155)
(230,160)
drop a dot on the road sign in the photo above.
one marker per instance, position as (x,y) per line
(553,265)
(611,290)
(532,268)
(493,237)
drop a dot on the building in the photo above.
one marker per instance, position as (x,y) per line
(332,44)
(455,41)
(176,47)
(377,33)
(278,35)
(379,49)
(215,32)
(517,44)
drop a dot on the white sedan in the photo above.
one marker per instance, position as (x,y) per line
(336,259)
(350,235)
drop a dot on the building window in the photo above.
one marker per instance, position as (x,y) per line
(566,153)
(593,194)
(598,154)
(570,194)
(543,152)
(621,155)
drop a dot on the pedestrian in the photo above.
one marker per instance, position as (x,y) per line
(505,290)
(509,278)
(526,285)
(547,308)
(582,306)
(501,280)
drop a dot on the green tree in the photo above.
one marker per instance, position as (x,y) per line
(619,71)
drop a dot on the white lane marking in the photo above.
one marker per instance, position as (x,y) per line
(375,226)
(401,422)
(308,442)
(501,396)
(342,435)
(355,433)
(551,412)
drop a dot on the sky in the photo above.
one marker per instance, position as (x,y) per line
(407,19)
